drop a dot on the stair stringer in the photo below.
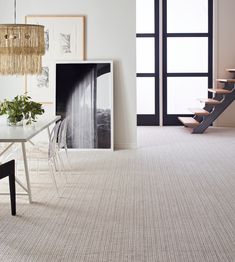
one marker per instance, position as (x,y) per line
(216,110)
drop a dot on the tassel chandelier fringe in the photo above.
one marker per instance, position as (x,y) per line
(21,49)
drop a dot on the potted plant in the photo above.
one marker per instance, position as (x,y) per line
(19,109)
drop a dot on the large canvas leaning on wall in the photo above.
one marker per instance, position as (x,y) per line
(84,94)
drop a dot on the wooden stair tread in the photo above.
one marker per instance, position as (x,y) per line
(199,111)
(209,101)
(219,91)
(189,121)
(226,80)
(231,70)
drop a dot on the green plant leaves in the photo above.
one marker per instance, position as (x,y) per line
(21,107)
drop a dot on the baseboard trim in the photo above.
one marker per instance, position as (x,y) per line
(120,146)
(219,123)
(232,125)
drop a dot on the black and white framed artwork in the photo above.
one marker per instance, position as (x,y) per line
(64,39)
(84,94)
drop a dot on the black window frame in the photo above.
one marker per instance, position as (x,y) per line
(172,119)
(152,119)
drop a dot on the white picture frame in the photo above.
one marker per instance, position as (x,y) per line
(64,36)
(69,72)
(39,87)
(64,39)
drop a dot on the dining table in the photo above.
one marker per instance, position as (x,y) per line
(22,135)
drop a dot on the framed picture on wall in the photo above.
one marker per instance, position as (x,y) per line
(64,39)
(39,87)
(84,95)
(64,36)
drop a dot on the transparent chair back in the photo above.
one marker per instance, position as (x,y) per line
(62,143)
(53,140)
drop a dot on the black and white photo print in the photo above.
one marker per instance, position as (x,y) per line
(65,43)
(84,95)
(64,40)
(43,78)
(46,39)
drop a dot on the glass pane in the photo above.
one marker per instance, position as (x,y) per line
(187,16)
(145,95)
(145,16)
(187,55)
(183,93)
(145,55)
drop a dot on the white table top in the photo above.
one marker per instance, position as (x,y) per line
(24,133)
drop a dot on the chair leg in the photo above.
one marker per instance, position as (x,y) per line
(61,167)
(12,190)
(53,172)
(67,155)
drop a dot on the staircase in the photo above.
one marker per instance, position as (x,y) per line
(222,98)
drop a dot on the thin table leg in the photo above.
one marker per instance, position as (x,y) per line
(8,147)
(26,171)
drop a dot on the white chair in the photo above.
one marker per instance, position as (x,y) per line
(53,156)
(62,142)
(50,154)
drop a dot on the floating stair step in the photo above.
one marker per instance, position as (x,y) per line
(189,121)
(231,70)
(219,91)
(226,80)
(199,111)
(209,101)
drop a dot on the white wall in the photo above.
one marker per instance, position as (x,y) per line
(225,51)
(110,35)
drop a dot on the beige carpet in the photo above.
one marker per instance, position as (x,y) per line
(171,200)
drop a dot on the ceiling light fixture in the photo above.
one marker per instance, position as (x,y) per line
(21,48)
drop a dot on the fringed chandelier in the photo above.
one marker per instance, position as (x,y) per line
(21,48)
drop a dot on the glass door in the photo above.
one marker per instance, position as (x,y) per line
(147,53)
(187,56)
